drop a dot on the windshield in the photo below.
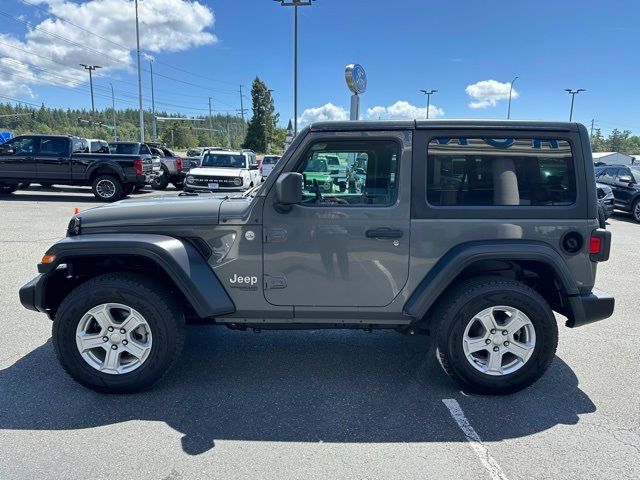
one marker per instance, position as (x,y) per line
(124,148)
(317,166)
(223,160)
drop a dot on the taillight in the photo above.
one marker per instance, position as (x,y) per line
(138,165)
(179,164)
(595,244)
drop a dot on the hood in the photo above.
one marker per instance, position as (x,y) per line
(168,210)
(216,172)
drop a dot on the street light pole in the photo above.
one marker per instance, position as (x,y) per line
(510,90)
(113,107)
(573,94)
(91,68)
(153,104)
(428,93)
(295,4)
(139,76)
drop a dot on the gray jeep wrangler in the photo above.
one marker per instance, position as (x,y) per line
(475,231)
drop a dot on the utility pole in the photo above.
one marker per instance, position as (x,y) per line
(593,121)
(242,111)
(510,90)
(428,93)
(113,107)
(139,76)
(153,104)
(573,94)
(210,121)
(91,68)
(295,4)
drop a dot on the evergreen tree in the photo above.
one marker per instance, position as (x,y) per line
(263,123)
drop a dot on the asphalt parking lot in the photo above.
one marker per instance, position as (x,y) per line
(318,404)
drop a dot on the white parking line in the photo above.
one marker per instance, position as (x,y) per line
(474,440)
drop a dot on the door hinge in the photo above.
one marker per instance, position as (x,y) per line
(272,283)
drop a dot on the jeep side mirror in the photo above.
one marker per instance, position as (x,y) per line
(288,191)
(625,179)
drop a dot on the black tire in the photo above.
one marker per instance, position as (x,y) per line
(635,211)
(128,188)
(179,184)
(163,315)
(161,182)
(602,218)
(107,188)
(6,188)
(457,309)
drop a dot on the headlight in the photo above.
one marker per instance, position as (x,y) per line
(190,179)
(237,181)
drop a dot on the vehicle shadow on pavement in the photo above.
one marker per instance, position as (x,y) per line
(308,386)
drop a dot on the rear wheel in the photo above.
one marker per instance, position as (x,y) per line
(6,188)
(118,333)
(495,336)
(107,188)
(160,182)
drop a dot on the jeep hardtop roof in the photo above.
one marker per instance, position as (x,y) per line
(426,124)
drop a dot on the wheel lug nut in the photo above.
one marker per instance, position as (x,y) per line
(115,347)
(493,330)
(124,342)
(495,349)
(122,330)
(506,344)
(105,339)
(487,341)
(504,332)
(110,329)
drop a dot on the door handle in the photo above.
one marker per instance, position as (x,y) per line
(383,232)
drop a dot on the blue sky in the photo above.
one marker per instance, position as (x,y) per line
(403,45)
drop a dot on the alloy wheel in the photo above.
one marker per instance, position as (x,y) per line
(114,338)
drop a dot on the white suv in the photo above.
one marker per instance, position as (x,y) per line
(223,171)
(268,162)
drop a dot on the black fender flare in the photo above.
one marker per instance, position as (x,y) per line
(181,261)
(114,167)
(438,279)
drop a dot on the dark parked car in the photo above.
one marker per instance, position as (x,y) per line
(172,167)
(49,159)
(624,181)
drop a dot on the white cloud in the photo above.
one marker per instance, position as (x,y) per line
(402,110)
(326,112)
(166,26)
(486,93)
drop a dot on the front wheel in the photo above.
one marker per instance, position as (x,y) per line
(118,333)
(107,188)
(495,336)
(636,210)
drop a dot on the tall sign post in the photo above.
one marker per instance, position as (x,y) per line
(356,79)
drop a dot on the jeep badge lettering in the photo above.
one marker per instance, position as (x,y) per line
(247,280)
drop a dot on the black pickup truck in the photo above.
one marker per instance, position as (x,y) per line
(50,159)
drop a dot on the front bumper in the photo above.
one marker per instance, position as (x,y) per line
(32,294)
(591,307)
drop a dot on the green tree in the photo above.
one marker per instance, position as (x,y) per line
(617,141)
(598,142)
(263,122)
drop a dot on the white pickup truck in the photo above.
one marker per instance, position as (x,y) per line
(223,171)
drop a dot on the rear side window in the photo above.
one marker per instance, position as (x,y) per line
(54,146)
(500,172)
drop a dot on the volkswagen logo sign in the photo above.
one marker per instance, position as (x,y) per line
(356,78)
